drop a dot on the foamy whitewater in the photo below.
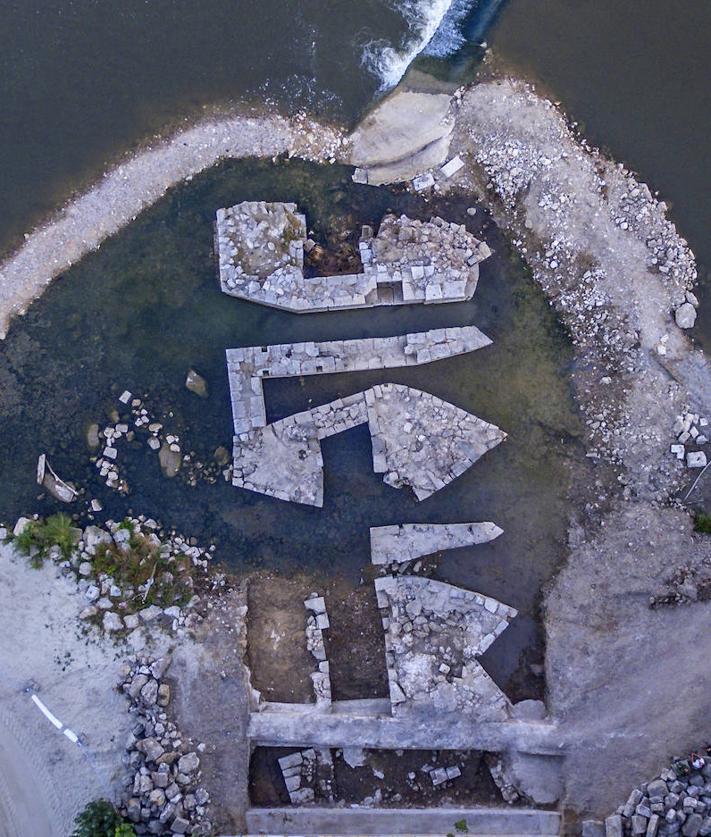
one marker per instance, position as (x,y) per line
(434,28)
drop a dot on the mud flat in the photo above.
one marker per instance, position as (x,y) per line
(116,200)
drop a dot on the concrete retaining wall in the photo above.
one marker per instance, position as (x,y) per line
(396,821)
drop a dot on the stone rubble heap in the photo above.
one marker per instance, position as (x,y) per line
(405,542)
(593,236)
(690,430)
(307,775)
(316,623)
(433,634)
(261,257)
(678,801)
(118,606)
(162,790)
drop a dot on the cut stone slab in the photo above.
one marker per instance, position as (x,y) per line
(408,541)
(400,128)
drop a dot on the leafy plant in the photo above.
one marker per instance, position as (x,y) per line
(702,523)
(39,536)
(141,562)
(461,826)
(101,819)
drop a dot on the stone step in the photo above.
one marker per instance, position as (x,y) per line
(511,822)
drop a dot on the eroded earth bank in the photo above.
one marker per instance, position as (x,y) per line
(626,615)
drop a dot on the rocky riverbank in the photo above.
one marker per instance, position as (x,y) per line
(85,222)
(621,279)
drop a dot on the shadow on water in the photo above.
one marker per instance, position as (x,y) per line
(146,307)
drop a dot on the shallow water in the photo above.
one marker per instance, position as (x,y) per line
(146,307)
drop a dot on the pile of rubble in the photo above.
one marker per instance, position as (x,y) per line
(162,792)
(678,801)
(592,235)
(133,573)
(690,430)
(433,634)
(308,775)
(316,623)
(139,422)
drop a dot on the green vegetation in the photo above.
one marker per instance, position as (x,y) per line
(702,523)
(101,819)
(461,826)
(140,561)
(39,536)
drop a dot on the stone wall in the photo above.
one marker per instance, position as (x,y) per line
(261,257)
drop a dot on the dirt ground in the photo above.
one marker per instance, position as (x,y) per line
(355,644)
(403,781)
(277,656)
(276,647)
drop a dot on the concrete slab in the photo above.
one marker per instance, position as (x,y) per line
(396,821)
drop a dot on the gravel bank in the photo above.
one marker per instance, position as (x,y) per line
(137,183)
(617,272)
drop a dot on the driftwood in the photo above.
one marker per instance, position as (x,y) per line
(47,478)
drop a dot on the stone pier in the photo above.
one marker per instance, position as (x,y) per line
(419,440)
(261,259)
(405,542)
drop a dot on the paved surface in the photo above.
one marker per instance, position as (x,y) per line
(430,731)
(404,542)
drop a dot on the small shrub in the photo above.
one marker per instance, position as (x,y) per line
(461,826)
(702,523)
(39,536)
(101,819)
(141,561)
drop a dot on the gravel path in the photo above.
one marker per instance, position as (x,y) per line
(140,181)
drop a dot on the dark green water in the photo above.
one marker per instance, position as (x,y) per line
(146,307)
(637,76)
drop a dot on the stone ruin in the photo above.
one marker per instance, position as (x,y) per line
(260,248)
(418,440)
(406,542)
(434,633)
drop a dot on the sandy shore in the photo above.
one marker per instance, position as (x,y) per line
(132,186)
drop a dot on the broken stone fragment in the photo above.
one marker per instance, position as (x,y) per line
(170,460)
(685,315)
(112,622)
(196,383)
